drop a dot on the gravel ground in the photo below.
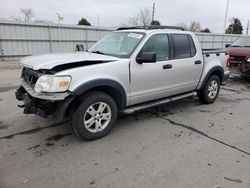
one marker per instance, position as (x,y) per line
(181,145)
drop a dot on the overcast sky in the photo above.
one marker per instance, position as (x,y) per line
(210,13)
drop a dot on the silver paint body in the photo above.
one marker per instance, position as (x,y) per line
(141,82)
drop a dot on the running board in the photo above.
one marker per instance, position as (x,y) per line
(140,107)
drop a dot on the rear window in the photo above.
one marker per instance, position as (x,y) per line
(183,46)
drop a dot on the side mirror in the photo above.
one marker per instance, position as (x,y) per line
(147,57)
(79,47)
(227,45)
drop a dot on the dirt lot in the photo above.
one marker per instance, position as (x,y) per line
(182,145)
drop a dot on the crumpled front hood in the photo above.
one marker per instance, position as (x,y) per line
(49,61)
(239,51)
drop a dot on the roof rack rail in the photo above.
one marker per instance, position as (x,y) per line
(135,27)
(152,27)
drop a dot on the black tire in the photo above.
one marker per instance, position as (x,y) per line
(203,94)
(79,115)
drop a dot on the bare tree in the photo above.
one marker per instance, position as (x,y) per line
(183,25)
(28,14)
(142,18)
(133,21)
(194,26)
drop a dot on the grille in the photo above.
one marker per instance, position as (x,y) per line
(30,76)
(238,58)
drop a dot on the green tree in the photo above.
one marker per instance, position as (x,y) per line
(235,27)
(83,21)
(155,22)
(206,30)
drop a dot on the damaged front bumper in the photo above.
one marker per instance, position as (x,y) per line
(43,104)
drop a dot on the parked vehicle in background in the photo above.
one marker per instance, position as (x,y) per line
(127,71)
(239,53)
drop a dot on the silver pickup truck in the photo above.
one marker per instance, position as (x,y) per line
(129,70)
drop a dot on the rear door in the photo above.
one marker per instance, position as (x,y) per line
(187,63)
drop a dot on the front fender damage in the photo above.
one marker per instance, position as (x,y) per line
(41,107)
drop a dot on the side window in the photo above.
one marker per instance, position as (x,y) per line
(192,46)
(183,46)
(158,44)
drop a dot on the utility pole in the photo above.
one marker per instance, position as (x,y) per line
(247,27)
(153,13)
(225,23)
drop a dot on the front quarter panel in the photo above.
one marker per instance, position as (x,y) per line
(117,71)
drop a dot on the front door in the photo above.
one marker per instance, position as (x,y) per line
(150,81)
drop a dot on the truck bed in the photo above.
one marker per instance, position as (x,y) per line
(214,51)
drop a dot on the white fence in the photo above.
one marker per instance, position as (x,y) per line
(215,41)
(22,39)
(18,39)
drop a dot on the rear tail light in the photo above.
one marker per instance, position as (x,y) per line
(228,62)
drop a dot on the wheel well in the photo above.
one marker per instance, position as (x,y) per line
(114,93)
(217,73)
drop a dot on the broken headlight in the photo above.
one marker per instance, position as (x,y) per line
(50,83)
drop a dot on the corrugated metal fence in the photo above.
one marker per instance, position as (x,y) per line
(215,41)
(18,39)
(22,39)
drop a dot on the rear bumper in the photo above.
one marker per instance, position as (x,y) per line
(225,77)
(43,105)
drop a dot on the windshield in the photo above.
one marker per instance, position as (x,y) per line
(118,44)
(242,42)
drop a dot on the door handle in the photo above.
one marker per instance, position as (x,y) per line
(168,66)
(198,62)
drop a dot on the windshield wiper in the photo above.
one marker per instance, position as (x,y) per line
(247,46)
(97,52)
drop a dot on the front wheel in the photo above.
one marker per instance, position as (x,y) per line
(211,90)
(95,116)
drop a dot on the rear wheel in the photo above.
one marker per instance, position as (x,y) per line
(210,91)
(95,116)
